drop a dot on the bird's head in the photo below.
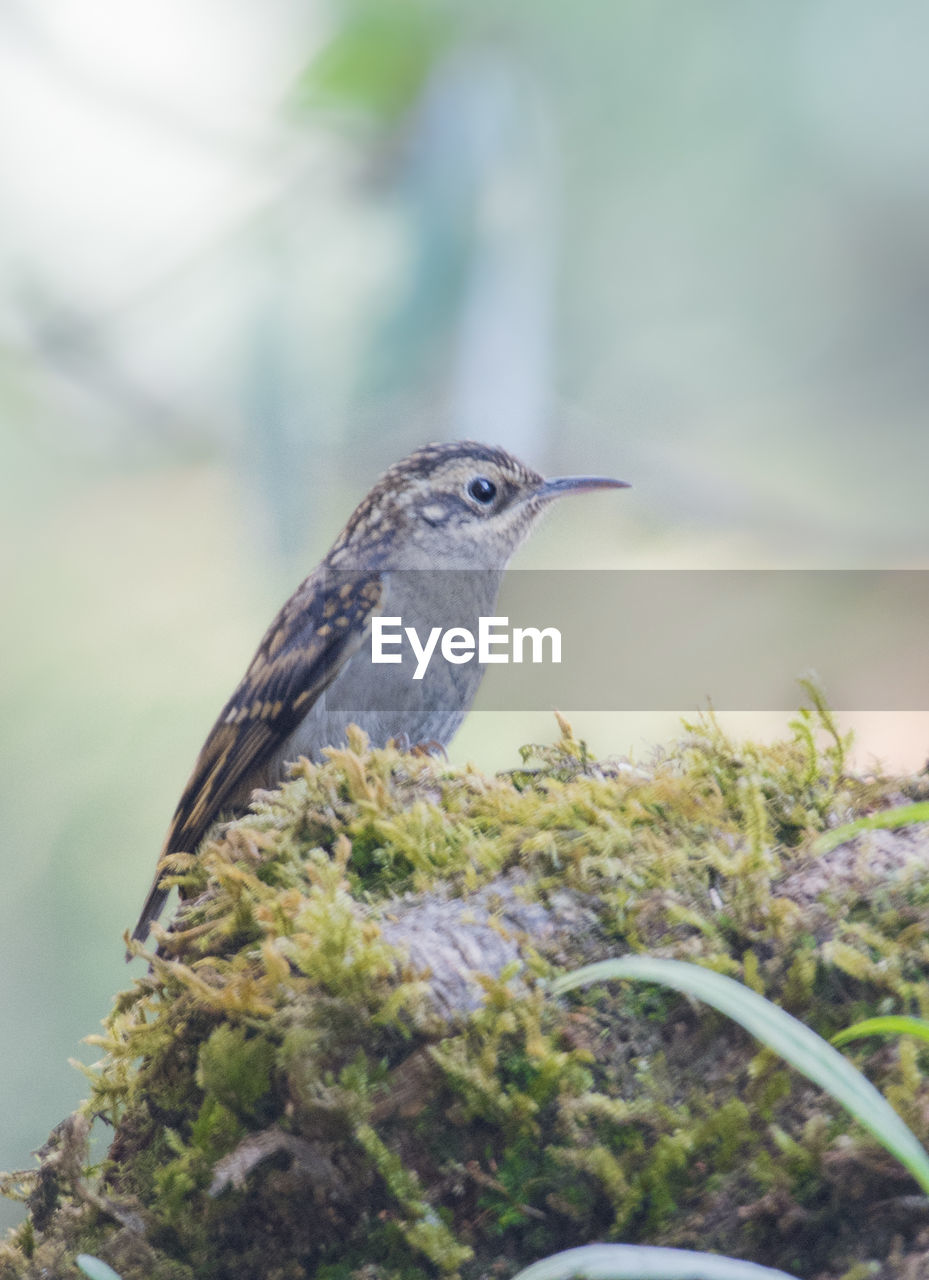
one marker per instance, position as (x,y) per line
(452,506)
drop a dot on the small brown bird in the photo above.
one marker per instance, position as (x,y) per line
(429,543)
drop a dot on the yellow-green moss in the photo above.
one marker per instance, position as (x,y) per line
(288,1101)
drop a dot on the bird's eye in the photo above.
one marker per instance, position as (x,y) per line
(482,490)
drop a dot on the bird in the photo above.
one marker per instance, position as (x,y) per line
(428,543)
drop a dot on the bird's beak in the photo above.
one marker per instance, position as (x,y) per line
(562,485)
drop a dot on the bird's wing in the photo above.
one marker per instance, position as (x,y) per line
(319,628)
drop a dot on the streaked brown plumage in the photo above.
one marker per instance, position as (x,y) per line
(461,506)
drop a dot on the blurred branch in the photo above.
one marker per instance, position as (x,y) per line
(73,344)
(78,342)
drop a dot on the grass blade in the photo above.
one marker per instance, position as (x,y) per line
(892,1025)
(900,817)
(95,1268)
(644,1262)
(788,1037)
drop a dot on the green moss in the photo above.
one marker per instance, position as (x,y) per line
(288,1100)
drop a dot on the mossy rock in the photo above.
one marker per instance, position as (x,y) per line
(345,1058)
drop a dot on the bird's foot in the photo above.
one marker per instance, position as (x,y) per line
(431,747)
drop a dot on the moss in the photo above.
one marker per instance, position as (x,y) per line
(291,1097)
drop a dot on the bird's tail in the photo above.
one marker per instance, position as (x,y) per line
(151,910)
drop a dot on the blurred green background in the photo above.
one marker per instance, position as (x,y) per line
(251,254)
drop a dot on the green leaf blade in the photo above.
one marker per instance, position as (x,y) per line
(886,819)
(781,1032)
(891,1025)
(645,1262)
(95,1268)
